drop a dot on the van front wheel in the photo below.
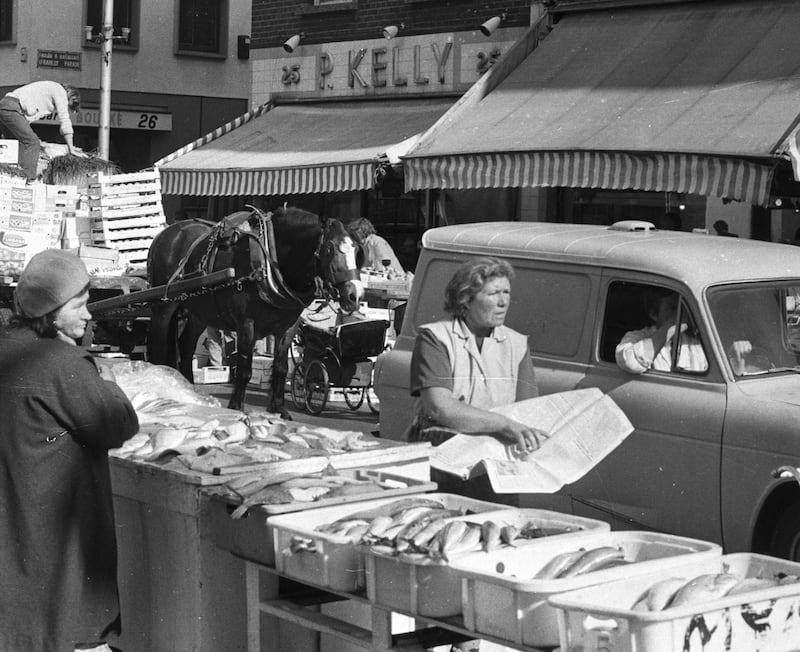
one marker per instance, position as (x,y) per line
(786,538)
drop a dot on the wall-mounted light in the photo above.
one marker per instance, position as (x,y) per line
(292,42)
(487,29)
(390,31)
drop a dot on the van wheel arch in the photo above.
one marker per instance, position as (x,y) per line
(777,531)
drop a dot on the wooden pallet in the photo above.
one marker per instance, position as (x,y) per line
(126,213)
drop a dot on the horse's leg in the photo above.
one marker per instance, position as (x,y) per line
(187,343)
(162,335)
(245,341)
(280,368)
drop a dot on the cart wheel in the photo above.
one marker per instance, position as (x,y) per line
(317,386)
(353,396)
(299,387)
(372,400)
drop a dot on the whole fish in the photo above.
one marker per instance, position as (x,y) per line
(390,533)
(658,596)
(451,534)
(592,560)
(424,537)
(356,532)
(704,588)
(378,526)
(339,529)
(490,535)
(407,534)
(409,515)
(749,584)
(558,564)
(508,533)
(469,542)
(397,506)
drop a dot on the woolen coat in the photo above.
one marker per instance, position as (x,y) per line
(58,554)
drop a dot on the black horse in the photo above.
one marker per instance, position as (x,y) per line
(282,261)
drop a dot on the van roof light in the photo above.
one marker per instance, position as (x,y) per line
(632,225)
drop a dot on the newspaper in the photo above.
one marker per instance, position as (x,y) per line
(583,426)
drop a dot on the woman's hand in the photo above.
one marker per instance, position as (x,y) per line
(525,439)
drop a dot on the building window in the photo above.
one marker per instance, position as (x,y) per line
(6,20)
(126,14)
(200,26)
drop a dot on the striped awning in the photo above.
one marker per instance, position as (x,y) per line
(299,148)
(682,173)
(684,97)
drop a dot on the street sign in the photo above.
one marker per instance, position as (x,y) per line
(128,119)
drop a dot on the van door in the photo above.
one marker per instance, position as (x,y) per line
(666,475)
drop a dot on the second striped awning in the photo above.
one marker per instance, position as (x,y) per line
(298,148)
(691,97)
(684,173)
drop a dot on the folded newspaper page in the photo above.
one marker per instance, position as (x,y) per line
(583,426)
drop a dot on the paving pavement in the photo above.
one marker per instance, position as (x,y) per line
(335,415)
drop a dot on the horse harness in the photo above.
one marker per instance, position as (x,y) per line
(272,289)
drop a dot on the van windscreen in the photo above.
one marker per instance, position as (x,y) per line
(759,326)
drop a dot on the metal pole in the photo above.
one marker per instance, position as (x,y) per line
(105,78)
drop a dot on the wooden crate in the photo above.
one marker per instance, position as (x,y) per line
(126,213)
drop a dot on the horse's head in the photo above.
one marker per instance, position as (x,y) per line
(337,261)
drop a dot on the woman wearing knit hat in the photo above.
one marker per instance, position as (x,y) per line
(58,553)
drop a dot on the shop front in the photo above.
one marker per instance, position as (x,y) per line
(684,105)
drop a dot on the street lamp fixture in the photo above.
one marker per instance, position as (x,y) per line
(91,37)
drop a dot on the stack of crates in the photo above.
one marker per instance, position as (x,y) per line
(126,213)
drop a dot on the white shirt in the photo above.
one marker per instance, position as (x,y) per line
(636,353)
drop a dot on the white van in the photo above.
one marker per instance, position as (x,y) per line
(701,459)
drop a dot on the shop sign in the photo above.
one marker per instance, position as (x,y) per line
(417,64)
(141,120)
(57,59)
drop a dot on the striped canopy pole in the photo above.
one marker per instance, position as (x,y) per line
(219,131)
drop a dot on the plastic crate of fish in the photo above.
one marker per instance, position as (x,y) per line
(740,601)
(504,593)
(413,573)
(315,546)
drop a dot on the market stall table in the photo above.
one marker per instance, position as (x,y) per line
(179,589)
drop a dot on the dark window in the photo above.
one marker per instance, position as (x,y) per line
(643,311)
(6,20)
(123,15)
(200,25)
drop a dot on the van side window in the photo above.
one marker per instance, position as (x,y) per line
(547,305)
(647,327)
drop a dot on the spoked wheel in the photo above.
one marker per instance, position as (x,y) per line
(353,396)
(372,400)
(317,386)
(299,387)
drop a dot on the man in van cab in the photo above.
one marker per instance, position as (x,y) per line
(651,347)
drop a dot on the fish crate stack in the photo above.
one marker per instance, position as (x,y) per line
(126,213)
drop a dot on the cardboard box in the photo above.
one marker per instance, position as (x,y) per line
(95,257)
(261,370)
(211,375)
(9,151)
